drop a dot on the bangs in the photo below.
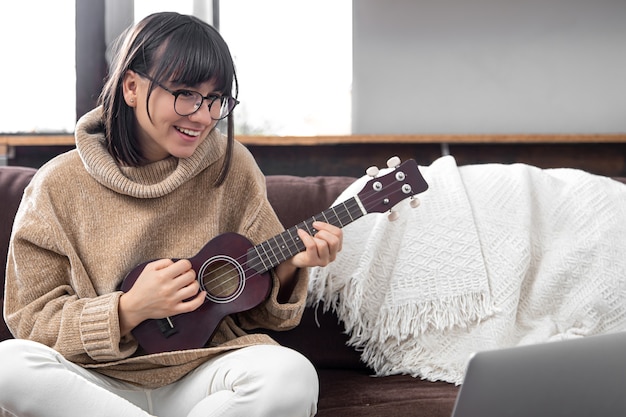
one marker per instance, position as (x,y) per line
(195,54)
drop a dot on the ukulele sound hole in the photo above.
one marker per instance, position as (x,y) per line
(222,278)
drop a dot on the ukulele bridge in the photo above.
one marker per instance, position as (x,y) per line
(223,279)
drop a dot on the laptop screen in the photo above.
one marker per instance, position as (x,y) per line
(581,377)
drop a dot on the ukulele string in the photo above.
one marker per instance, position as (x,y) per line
(224,278)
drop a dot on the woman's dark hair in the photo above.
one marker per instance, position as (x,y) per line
(170,47)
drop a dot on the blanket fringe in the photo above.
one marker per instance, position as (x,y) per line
(412,320)
(411,360)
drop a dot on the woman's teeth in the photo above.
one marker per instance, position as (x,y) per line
(189,132)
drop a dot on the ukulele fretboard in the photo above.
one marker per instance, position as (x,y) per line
(276,250)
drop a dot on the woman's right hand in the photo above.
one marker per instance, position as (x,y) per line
(163,289)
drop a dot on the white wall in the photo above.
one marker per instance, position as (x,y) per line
(489,66)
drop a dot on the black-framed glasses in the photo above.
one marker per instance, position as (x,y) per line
(187,102)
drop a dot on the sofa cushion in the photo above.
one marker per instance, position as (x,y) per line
(13,180)
(296,198)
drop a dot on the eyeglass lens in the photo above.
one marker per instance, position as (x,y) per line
(189,102)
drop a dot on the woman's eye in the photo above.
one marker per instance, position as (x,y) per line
(186,93)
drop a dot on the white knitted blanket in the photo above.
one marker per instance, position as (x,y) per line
(496,256)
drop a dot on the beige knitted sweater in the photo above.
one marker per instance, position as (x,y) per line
(85,222)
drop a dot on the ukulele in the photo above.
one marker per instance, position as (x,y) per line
(235,273)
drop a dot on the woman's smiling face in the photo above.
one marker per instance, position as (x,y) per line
(160,131)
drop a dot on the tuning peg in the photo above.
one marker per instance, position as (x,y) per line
(372,171)
(393,216)
(393,162)
(415,202)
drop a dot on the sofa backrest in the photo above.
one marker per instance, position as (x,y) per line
(13,180)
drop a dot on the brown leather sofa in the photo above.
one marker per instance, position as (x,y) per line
(347,388)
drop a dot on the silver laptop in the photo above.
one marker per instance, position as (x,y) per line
(583,377)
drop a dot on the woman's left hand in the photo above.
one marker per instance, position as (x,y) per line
(321,248)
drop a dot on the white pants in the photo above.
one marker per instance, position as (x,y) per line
(255,381)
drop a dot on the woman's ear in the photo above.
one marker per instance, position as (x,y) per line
(129,87)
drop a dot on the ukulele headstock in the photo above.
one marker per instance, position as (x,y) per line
(381,193)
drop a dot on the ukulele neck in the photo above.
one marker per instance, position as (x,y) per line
(278,249)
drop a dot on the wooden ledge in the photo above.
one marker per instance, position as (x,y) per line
(36,140)
(68,140)
(433,139)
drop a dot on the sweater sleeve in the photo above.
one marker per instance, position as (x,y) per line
(49,297)
(100,330)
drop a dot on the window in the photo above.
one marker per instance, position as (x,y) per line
(145,7)
(37,76)
(294,64)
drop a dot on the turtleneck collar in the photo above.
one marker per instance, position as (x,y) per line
(148,181)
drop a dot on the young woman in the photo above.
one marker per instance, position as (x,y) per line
(151,178)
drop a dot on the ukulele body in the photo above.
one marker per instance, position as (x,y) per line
(232,286)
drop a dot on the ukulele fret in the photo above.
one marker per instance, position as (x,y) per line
(285,246)
(269,252)
(352,209)
(349,211)
(333,218)
(296,242)
(279,251)
(308,225)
